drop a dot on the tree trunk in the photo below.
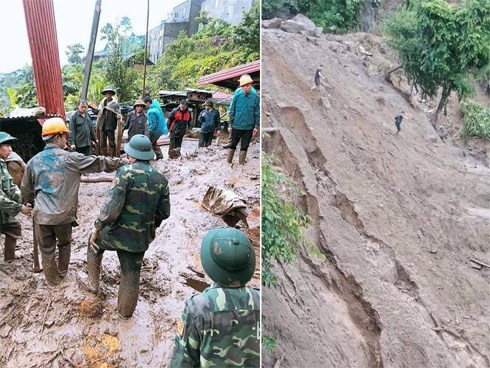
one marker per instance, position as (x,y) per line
(442,104)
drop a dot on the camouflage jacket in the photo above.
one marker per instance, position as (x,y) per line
(219,328)
(10,198)
(52,180)
(138,203)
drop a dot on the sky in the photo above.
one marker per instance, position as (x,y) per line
(73,25)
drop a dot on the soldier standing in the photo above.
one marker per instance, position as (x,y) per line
(138,202)
(221,326)
(51,181)
(10,201)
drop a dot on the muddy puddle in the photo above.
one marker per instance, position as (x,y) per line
(66,326)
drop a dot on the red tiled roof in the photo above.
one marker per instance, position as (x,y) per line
(231,73)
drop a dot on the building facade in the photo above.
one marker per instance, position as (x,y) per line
(182,19)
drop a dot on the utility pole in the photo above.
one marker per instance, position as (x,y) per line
(90,51)
(146,47)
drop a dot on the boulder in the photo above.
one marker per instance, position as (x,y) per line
(272,23)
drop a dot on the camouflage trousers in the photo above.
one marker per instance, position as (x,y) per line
(130,263)
(10,227)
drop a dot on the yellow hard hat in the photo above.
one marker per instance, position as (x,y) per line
(245,79)
(54,126)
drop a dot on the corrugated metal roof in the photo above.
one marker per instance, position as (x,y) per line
(29,117)
(231,73)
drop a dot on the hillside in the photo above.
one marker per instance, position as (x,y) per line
(397,217)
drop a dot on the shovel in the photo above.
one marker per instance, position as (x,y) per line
(37,267)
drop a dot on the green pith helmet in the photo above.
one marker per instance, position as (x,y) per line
(208,103)
(6,138)
(228,257)
(139,147)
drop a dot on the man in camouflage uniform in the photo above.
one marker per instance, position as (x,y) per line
(138,202)
(221,326)
(10,200)
(51,181)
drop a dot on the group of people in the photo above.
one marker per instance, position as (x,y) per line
(243,120)
(136,205)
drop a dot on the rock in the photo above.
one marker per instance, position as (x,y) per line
(305,21)
(291,26)
(272,23)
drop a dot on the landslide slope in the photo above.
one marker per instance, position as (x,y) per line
(397,218)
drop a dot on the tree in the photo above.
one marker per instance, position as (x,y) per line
(74,52)
(120,72)
(442,46)
(247,32)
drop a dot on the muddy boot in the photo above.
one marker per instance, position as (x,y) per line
(231,153)
(93,268)
(63,259)
(51,271)
(127,298)
(10,243)
(241,158)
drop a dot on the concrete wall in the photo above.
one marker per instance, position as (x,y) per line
(228,10)
(155,42)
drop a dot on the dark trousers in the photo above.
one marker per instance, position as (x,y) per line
(205,139)
(85,150)
(398,126)
(242,136)
(177,135)
(156,148)
(48,237)
(108,135)
(130,263)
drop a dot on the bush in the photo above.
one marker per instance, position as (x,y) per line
(476,120)
(282,222)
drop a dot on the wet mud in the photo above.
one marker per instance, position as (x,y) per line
(67,326)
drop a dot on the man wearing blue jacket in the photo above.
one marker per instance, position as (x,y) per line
(244,121)
(210,121)
(156,125)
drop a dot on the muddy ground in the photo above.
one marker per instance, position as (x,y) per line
(395,219)
(66,326)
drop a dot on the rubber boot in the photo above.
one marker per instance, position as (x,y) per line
(231,153)
(63,259)
(10,243)
(241,158)
(51,271)
(127,298)
(93,267)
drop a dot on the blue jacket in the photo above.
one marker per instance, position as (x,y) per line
(156,121)
(210,120)
(244,111)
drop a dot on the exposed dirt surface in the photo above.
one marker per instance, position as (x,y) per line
(66,326)
(396,217)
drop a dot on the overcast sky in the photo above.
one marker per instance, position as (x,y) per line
(73,25)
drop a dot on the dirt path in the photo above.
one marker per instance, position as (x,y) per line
(65,326)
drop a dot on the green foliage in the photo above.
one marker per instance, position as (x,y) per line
(282,222)
(247,33)
(268,343)
(335,16)
(74,53)
(216,46)
(476,120)
(442,45)
(119,72)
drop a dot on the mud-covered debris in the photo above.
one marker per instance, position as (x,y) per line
(91,307)
(227,204)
